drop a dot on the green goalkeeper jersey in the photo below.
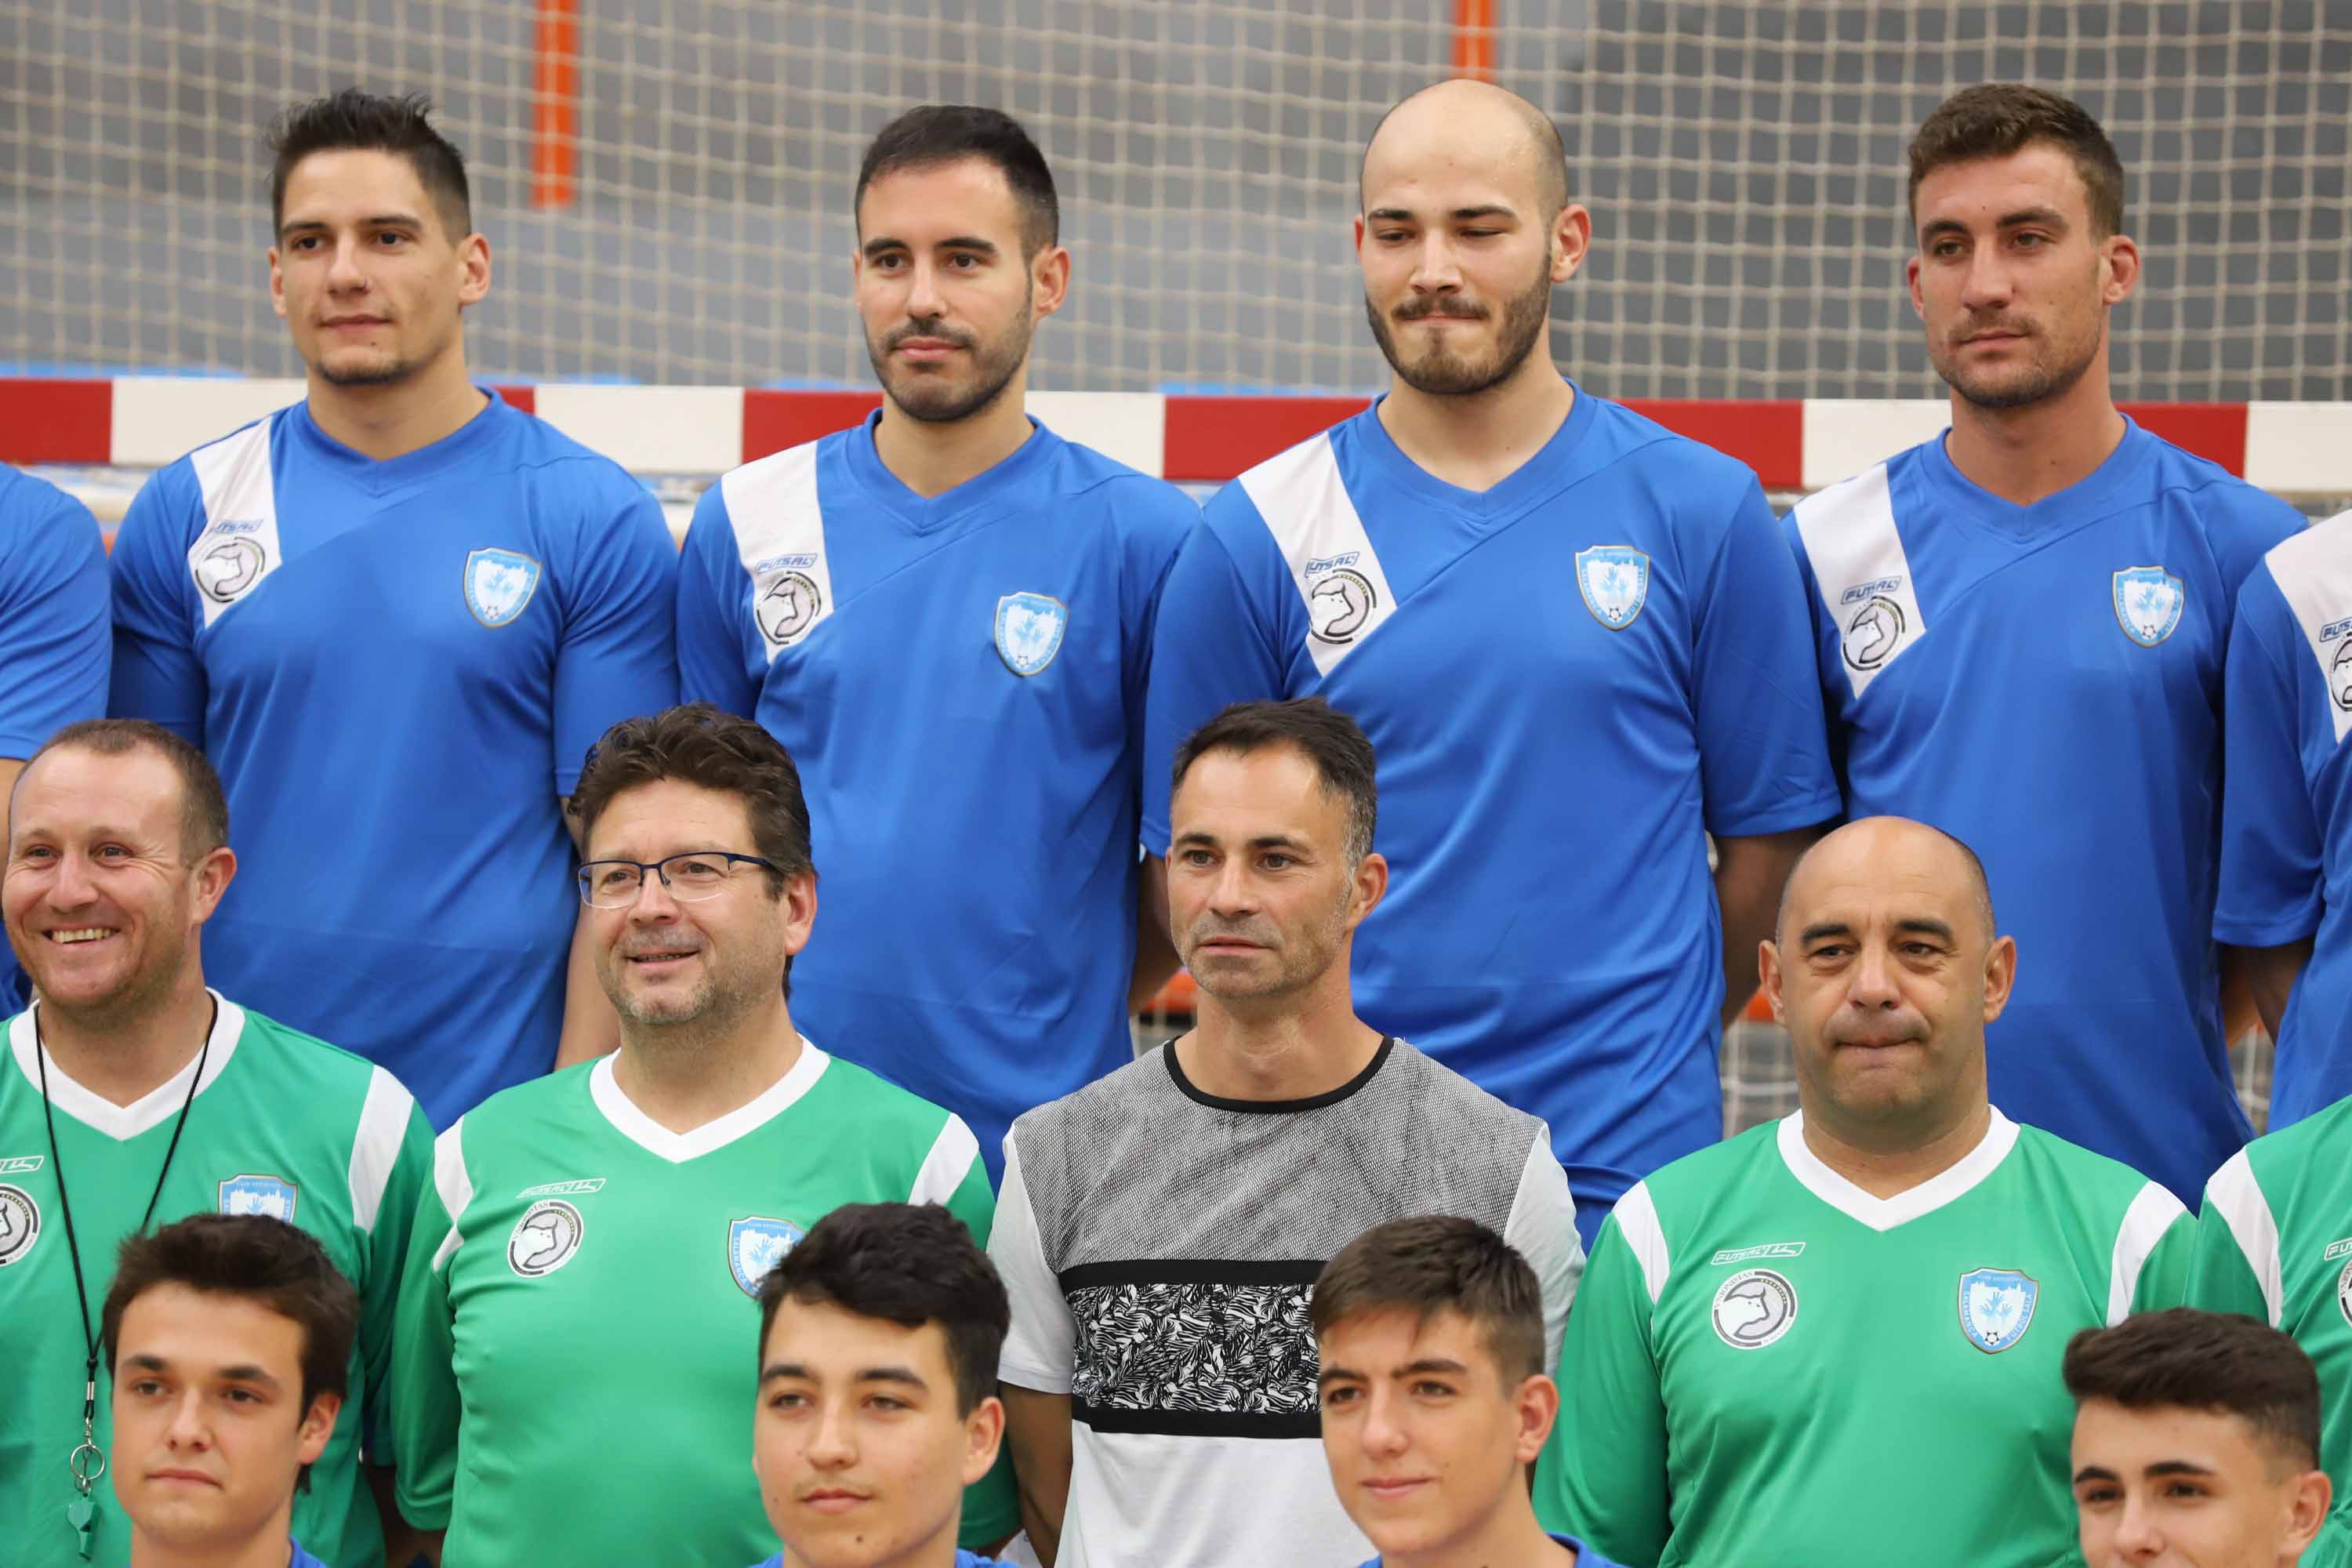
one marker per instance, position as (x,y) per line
(281,1123)
(578,1340)
(1767,1366)
(2275,1242)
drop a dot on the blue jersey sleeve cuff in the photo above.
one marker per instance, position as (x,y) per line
(2277,931)
(1808,812)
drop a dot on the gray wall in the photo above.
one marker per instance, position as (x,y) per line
(1743,163)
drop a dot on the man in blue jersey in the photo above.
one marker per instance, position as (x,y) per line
(1574,639)
(2285,900)
(2021,628)
(227,1337)
(945,615)
(878,1338)
(53,633)
(394,615)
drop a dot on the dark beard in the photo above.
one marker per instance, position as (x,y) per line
(996,367)
(1446,375)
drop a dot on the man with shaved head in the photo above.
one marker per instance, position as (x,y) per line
(1561,626)
(1846,1328)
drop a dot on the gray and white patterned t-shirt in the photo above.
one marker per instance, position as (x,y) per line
(1160,1244)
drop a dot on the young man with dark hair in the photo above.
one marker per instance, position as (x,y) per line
(2050,583)
(1575,637)
(2196,1443)
(131,1094)
(1435,1401)
(878,1340)
(946,614)
(337,599)
(229,1340)
(655,1187)
(1162,1229)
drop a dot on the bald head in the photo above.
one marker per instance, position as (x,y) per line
(1490,123)
(1891,846)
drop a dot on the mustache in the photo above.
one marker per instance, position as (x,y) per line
(939,329)
(1209,927)
(1978,329)
(1444,305)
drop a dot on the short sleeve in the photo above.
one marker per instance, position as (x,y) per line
(56,637)
(427,1409)
(1764,759)
(618,658)
(1213,643)
(1542,1229)
(2271,889)
(1602,1476)
(389,1228)
(2234,1263)
(1157,520)
(156,674)
(712,607)
(1041,1353)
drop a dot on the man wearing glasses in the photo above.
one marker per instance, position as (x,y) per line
(569,1379)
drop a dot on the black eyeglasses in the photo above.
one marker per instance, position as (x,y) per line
(696,875)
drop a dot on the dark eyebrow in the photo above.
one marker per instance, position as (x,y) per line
(793,1369)
(2093,1473)
(1820,929)
(241,1373)
(2050,218)
(881,243)
(1488,209)
(2177,1468)
(1922,926)
(1431,1363)
(1331,1375)
(378,220)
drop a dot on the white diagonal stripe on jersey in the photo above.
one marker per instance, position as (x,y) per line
(1542,1229)
(772,506)
(1304,505)
(2151,1213)
(453,1186)
(375,1147)
(2233,1192)
(1637,1222)
(1849,536)
(2313,572)
(953,1153)
(238,489)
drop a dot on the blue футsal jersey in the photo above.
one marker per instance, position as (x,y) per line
(1569,679)
(2044,682)
(53,630)
(397,668)
(2286,817)
(961,679)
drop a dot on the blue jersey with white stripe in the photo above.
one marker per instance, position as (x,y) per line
(2044,682)
(961,679)
(1569,679)
(2286,817)
(53,630)
(397,668)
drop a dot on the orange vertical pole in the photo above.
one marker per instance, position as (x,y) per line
(556,105)
(1474,38)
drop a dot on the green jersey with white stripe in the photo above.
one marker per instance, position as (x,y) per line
(281,1123)
(578,1337)
(2275,1242)
(1767,1365)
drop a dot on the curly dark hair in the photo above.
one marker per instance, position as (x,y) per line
(698,744)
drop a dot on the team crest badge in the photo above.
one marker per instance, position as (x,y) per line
(20,1224)
(1029,628)
(787,605)
(2339,676)
(755,1246)
(1753,1308)
(545,1238)
(499,584)
(259,1195)
(1615,582)
(2148,601)
(1996,1307)
(227,567)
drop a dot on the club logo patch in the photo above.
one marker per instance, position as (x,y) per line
(545,1238)
(227,569)
(1874,633)
(1029,628)
(499,584)
(1996,1307)
(2339,676)
(1615,582)
(259,1194)
(1339,604)
(20,1224)
(755,1245)
(2148,601)
(2342,1283)
(786,603)
(1753,1308)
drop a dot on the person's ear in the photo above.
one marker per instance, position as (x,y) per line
(318,1425)
(1536,1401)
(1768,978)
(1999,975)
(983,1432)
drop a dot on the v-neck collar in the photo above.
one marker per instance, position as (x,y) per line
(1548,470)
(2097,494)
(152,1109)
(1885,1213)
(679,1147)
(928,514)
(382,475)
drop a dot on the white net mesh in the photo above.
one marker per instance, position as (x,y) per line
(1743,162)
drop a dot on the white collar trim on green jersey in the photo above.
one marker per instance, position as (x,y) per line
(679,1147)
(1886,1214)
(157,1105)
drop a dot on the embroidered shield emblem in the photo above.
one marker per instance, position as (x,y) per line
(1029,628)
(259,1194)
(2148,601)
(499,584)
(1615,582)
(1996,1307)
(755,1245)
